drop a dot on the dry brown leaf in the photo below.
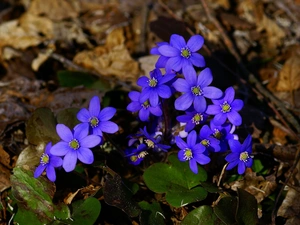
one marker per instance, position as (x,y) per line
(253,12)
(25,32)
(4,169)
(290,206)
(148,63)
(275,34)
(223,3)
(31,30)
(111,59)
(4,158)
(289,76)
(56,10)
(39,60)
(36,25)
(279,136)
(11,34)
(4,178)
(258,186)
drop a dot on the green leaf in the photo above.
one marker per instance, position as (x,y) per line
(257,166)
(203,215)
(177,181)
(85,211)
(152,214)
(68,117)
(226,209)
(75,78)
(34,198)
(247,208)
(210,187)
(237,210)
(41,127)
(117,194)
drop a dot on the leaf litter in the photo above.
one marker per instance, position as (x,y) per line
(112,41)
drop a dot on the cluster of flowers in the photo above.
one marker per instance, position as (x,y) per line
(179,58)
(76,143)
(209,119)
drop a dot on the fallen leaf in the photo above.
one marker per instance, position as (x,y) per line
(12,34)
(274,33)
(4,169)
(221,3)
(39,60)
(291,204)
(258,186)
(4,158)
(53,9)
(111,59)
(148,63)
(4,178)
(289,76)
(254,13)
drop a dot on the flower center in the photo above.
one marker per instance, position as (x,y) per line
(225,107)
(244,156)
(205,142)
(94,122)
(74,144)
(152,82)
(149,143)
(146,104)
(133,158)
(188,154)
(196,90)
(197,118)
(44,159)
(186,53)
(217,134)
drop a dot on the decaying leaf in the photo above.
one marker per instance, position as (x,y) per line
(148,63)
(4,170)
(289,76)
(275,34)
(253,12)
(111,59)
(290,206)
(258,186)
(60,9)
(12,34)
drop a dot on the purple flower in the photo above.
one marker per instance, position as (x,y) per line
(196,89)
(152,142)
(162,60)
(226,107)
(75,145)
(144,108)
(182,55)
(223,133)
(155,87)
(192,119)
(192,152)
(98,119)
(207,140)
(48,162)
(135,156)
(240,154)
